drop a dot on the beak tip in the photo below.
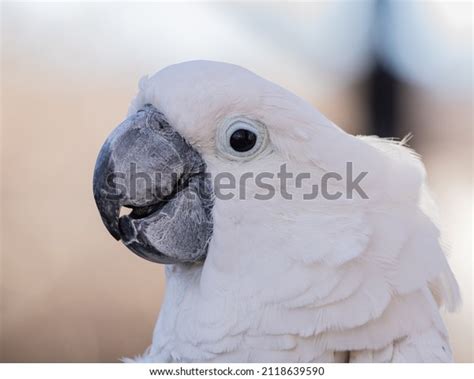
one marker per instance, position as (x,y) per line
(116,235)
(111,223)
(109,213)
(112,228)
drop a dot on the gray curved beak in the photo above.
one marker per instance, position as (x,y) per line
(147,166)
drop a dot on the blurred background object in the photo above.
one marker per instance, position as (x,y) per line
(69,292)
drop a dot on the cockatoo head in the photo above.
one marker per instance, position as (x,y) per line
(286,278)
(191,122)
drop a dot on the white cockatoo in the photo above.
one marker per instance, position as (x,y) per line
(251,274)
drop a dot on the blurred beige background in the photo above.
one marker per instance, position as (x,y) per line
(69,292)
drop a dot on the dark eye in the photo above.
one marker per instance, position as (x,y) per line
(243,140)
(240,138)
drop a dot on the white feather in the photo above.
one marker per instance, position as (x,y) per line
(301,281)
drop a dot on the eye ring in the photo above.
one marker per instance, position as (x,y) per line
(252,138)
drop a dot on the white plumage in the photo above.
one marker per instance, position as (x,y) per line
(301,281)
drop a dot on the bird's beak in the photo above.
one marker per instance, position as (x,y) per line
(147,166)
